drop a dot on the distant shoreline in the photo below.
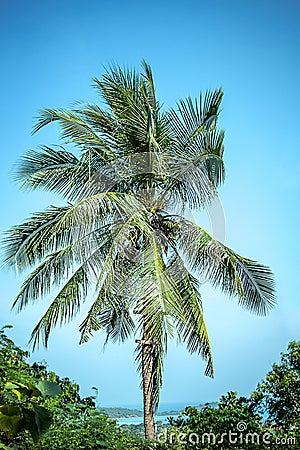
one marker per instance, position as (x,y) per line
(127,413)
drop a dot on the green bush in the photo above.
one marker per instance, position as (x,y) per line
(223,427)
(75,422)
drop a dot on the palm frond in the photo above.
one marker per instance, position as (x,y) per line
(24,244)
(251,282)
(194,116)
(113,316)
(101,121)
(132,101)
(85,253)
(118,87)
(117,320)
(112,279)
(40,281)
(74,130)
(50,169)
(58,227)
(147,76)
(190,323)
(64,308)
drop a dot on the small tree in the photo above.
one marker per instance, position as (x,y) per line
(278,395)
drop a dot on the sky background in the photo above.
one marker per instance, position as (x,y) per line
(49,53)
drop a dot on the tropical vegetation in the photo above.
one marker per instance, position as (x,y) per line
(270,417)
(40,419)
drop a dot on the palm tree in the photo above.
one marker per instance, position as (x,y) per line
(122,241)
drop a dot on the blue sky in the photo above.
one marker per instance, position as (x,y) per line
(50,51)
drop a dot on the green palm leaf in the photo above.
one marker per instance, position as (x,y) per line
(64,308)
(235,275)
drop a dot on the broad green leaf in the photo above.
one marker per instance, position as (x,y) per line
(29,423)
(14,388)
(36,421)
(48,388)
(43,418)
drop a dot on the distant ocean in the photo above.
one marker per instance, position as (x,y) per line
(139,420)
(179,406)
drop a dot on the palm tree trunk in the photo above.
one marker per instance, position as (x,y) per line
(147,376)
